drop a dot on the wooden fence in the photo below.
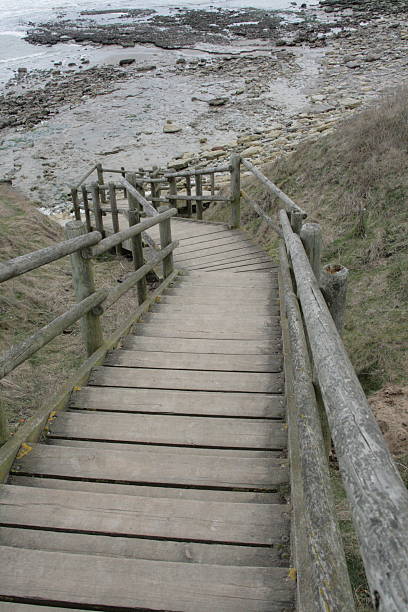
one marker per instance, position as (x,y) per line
(325,400)
(82,246)
(149,189)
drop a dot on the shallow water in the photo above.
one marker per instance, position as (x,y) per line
(16,17)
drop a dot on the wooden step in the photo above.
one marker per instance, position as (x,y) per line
(238,497)
(193,330)
(268,346)
(171,430)
(179,402)
(200,361)
(175,304)
(126,515)
(189,380)
(132,584)
(148,467)
(248,324)
(150,549)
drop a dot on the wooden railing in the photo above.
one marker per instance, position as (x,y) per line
(145,187)
(82,246)
(325,400)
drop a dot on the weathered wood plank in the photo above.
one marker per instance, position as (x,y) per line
(261,267)
(277,456)
(98,580)
(148,378)
(200,361)
(183,330)
(220,252)
(237,257)
(139,548)
(147,467)
(258,497)
(206,247)
(8,606)
(216,321)
(143,516)
(170,429)
(226,279)
(380,512)
(179,402)
(175,296)
(174,304)
(226,293)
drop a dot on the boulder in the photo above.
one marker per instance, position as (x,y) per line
(171,128)
(218,101)
(127,61)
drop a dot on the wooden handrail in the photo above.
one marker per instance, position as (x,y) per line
(377,495)
(321,546)
(22,351)
(36,259)
(85,176)
(111,241)
(147,207)
(289,204)
(262,213)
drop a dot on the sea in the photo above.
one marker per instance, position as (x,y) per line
(16,16)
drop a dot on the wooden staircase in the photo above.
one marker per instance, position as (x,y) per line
(163,486)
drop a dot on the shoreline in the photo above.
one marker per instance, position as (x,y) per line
(269,98)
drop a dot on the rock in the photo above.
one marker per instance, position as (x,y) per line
(71,64)
(181,60)
(171,128)
(353,65)
(146,68)
(127,43)
(84,60)
(21,71)
(372,58)
(59,63)
(218,101)
(251,151)
(177,164)
(203,140)
(127,61)
(213,154)
(351,103)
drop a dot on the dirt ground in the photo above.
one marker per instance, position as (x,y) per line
(390,407)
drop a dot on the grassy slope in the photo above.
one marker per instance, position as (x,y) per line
(34,299)
(354,182)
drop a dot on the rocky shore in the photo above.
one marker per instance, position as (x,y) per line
(259,96)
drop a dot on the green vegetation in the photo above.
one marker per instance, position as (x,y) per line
(354,182)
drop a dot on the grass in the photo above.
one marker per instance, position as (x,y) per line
(354,182)
(31,301)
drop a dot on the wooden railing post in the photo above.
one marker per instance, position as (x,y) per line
(188,193)
(199,193)
(136,241)
(165,239)
(235,170)
(311,237)
(333,285)
(173,191)
(4,429)
(84,285)
(86,208)
(99,171)
(296,221)
(75,202)
(123,172)
(114,212)
(96,205)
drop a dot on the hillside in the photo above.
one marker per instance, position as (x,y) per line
(354,182)
(36,298)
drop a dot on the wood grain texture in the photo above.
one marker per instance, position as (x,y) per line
(200,361)
(148,378)
(140,548)
(170,429)
(238,497)
(108,513)
(179,402)
(190,330)
(96,580)
(147,467)
(380,512)
(204,345)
